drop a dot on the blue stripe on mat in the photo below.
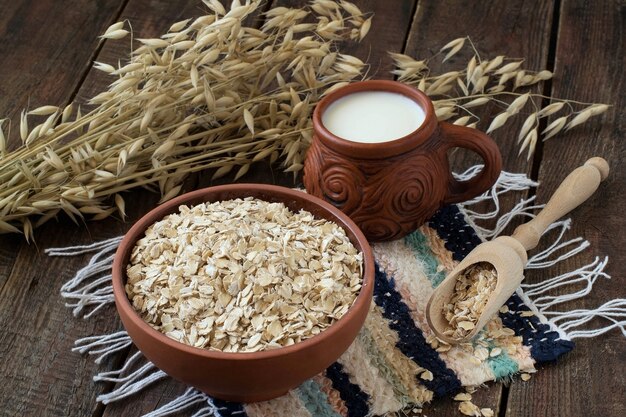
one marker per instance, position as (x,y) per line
(411,341)
(545,345)
(351,394)
(229,409)
(460,238)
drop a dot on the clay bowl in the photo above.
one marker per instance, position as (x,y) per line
(256,376)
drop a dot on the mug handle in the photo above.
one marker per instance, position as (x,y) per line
(453,136)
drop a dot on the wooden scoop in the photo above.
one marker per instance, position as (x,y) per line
(508,253)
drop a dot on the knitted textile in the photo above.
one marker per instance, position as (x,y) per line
(383,370)
(394,362)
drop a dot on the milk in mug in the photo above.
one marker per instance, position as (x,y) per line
(373,116)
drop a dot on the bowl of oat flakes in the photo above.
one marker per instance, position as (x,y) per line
(243,291)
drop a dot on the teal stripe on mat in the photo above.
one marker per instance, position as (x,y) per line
(419,244)
(315,400)
(503,365)
(377,359)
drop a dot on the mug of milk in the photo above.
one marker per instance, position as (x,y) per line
(380,155)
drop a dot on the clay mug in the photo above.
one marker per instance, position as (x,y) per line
(389,188)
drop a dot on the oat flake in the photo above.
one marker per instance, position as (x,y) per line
(471,292)
(243,275)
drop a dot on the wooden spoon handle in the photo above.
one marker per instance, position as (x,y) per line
(577,187)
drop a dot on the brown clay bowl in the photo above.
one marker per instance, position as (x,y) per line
(256,376)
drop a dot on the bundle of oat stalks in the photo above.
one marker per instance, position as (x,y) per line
(212,93)
(459,93)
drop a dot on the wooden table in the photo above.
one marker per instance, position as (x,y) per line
(47,49)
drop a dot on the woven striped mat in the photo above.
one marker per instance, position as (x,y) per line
(395,361)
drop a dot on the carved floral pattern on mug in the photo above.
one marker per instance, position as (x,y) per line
(380,228)
(379,154)
(414,195)
(382,212)
(339,183)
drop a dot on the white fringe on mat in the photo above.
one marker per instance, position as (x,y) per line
(189,398)
(90,290)
(133,382)
(104,345)
(540,297)
(89,287)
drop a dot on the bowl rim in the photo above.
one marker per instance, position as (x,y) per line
(122,302)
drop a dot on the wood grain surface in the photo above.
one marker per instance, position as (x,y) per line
(38,67)
(514,30)
(47,48)
(39,378)
(589,66)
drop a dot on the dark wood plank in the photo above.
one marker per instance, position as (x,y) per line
(496,28)
(46,48)
(39,68)
(488,396)
(8,243)
(589,67)
(514,29)
(50,379)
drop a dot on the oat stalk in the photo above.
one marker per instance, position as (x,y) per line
(209,93)
(212,93)
(458,93)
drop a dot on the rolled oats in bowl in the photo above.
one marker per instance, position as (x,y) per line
(243,275)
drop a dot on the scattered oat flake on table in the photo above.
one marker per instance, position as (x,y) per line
(495,352)
(469,409)
(444,347)
(243,275)
(462,396)
(481,353)
(427,375)
(525,377)
(487,412)
(471,389)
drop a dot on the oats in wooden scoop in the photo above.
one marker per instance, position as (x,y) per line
(472,290)
(243,275)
